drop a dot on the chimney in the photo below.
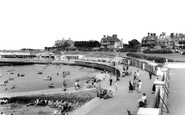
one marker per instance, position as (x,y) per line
(163,33)
(154,34)
(148,34)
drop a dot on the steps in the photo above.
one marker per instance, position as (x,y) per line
(83,110)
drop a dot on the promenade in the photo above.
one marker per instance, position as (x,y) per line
(122,100)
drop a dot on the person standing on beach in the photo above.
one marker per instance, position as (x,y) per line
(64,85)
(110,80)
(116,84)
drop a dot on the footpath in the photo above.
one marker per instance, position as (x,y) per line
(122,99)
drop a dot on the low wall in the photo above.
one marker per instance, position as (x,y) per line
(99,66)
(96,65)
(175,65)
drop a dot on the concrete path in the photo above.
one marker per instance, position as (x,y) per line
(122,99)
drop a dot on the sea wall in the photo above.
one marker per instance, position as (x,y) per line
(99,66)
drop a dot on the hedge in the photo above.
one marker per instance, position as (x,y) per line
(162,51)
(150,58)
(81,97)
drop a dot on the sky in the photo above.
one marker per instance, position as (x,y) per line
(39,23)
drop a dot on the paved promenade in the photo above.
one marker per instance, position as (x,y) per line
(122,99)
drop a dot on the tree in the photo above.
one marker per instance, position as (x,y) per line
(86,44)
(66,45)
(134,43)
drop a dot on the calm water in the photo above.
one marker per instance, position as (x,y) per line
(33,81)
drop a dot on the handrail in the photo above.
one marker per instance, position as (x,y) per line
(164,104)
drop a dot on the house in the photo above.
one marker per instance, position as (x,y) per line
(149,41)
(179,41)
(111,42)
(165,41)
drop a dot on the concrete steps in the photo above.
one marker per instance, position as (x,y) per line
(83,110)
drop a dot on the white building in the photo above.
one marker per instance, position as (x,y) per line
(71,57)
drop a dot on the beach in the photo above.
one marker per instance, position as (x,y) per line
(32,81)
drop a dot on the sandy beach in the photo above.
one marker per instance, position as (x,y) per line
(32,81)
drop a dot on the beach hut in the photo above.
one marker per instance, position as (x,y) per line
(71,57)
(46,55)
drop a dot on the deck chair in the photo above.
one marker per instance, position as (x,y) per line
(129,113)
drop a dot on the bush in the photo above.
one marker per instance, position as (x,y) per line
(150,58)
(128,50)
(81,97)
(161,51)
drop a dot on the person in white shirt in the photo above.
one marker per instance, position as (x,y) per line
(142,101)
(137,74)
(2,113)
(139,86)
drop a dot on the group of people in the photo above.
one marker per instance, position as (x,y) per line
(77,85)
(92,83)
(61,105)
(143,101)
(136,83)
(105,94)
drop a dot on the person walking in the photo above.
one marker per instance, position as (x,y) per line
(137,74)
(131,87)
(150,75)
(139,86)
